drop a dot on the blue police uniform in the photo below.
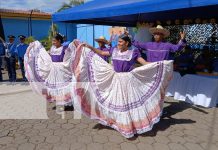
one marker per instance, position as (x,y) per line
(2,54)
(11,60)
(10,57)
(21,50)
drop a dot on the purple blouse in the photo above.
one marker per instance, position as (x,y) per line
(159,51)
(124,61)
(106,58)
(57,54)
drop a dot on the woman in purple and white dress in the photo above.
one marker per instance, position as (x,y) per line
(121,96)
(50,74)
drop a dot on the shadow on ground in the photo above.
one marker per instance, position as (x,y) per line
(166,120)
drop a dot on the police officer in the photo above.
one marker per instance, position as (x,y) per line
(21,50)
(2,54)
(10,57)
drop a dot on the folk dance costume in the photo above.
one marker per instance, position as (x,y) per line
(158,51)
(125,98)
(51,75)
(105,58)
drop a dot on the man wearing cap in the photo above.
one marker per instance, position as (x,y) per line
(10,58)
(21,50)
(2,54)
(159,50)
(101,43)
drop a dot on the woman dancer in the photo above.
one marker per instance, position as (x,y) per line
(125,98)
(51,75)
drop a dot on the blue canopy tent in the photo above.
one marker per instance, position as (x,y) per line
(129,12)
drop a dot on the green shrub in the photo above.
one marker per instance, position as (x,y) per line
(47,43)
(29,39)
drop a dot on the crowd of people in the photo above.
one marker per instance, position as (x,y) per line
(194,61)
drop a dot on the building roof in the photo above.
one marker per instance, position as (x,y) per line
(12,13)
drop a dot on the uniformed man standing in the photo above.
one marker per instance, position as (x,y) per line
(10,57)
(2,54)
(21,50)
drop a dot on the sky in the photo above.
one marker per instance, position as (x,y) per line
(43,5)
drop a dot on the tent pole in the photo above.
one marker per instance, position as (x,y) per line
(138,19)
(31,32)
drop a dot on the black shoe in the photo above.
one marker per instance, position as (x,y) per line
(165,112)
(24,80)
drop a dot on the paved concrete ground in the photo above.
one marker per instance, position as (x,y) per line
(5,75)
(21,105)
(184,127)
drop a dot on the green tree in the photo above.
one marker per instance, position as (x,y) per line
(47,42)
(53,30)
(71,4)
(29,39)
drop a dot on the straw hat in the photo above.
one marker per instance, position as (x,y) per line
(101,39)
(160,29)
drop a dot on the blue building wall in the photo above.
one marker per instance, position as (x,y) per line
(85,33)
(15,27)
(68,29)
(40,28)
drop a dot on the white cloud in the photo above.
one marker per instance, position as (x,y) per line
(44,5)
